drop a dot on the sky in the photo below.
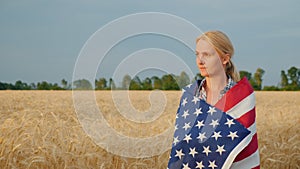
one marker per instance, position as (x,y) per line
(45,40)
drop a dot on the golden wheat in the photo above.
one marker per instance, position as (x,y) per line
(40,129)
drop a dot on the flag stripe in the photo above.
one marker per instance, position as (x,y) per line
(235,95)
(250,149)
(230,159)
(239,102)
(250,162)
(248,118)
(243,106)
(257,167)
(252,129)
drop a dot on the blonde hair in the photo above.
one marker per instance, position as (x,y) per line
(222,45)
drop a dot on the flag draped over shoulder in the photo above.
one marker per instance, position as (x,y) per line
(219,136)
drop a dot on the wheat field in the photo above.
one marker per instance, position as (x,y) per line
(40,129)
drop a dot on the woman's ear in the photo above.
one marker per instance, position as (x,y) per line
(225,59)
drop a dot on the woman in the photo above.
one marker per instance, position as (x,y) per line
(215,123)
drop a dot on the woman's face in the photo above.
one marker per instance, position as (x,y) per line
(208,60)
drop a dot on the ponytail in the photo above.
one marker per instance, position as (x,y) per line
(232,71)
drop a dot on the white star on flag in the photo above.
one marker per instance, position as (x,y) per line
(185,114)
(216,135)
(193,151)
(182,91)
(229,122)
(179,154)
(200,124)
(175,141)
(212,164)
(195,100)
(214,123)
(176,127)
(186,166)
(184,102)
(200,165)
(201,136)
(220,149)
(187,138)
(186,126)
(212,110)
(198,111)
(232,135)
(189,86)
(206,150)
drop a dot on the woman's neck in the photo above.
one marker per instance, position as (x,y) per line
(214,85)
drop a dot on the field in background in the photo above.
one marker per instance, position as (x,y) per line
(40,129)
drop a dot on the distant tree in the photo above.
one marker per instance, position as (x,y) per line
(169,82)
(112,84)
(246,74)
(19,85)
(147,84)
(55,86)
(126,82)
(156,83)
(82,84)
(135,84)
(43,85)
(256,81)
(6,86)
(183,79)
(101,84)
(64,84)
(284,80)
(293,75)
(270,88)
(33,86)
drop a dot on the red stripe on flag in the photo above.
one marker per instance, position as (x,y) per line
(236,94)
(248,118)
(257,167)
(249,150)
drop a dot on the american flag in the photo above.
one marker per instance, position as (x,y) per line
(207,137)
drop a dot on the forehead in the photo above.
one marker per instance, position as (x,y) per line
(204,46)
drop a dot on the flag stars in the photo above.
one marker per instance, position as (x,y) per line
(186,126)
(184,102)
(206,150)
(185,113)
(175,140)
(187,138)
(189,86)
(200,124)
(232,135)
(193,152)
(186,166)
(216,135)
(200,165)
(229,122)
(212,110)
(195,100)
(176,127)
(179,154)
(220,149)
(212,164)
(201,136)
(214,123)
(198,111)
(182,91)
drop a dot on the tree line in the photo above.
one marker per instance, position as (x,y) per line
(290,81)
